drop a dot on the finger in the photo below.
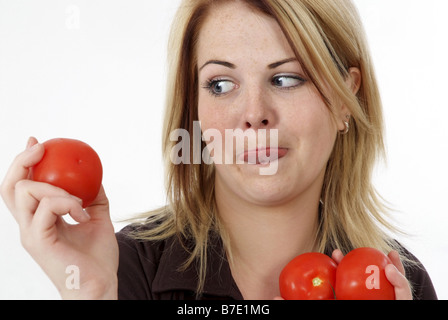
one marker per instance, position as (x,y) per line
(400,283)
(395,258)
(31,142)
(27,196)
(50,208)
(96,209)
(337,256)
(19,170)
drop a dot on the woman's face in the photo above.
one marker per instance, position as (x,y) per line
(249,79)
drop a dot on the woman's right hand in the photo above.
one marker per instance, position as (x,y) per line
(64,251)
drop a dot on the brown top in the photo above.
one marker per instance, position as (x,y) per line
(150,271)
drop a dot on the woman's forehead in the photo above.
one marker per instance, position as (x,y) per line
(234,30)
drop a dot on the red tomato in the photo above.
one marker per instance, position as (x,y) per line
(361,276)
(71,165)
(310,276)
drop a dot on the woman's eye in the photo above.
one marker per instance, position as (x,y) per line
(287,82)
(220,87)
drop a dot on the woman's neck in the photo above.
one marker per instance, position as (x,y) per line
(264,239)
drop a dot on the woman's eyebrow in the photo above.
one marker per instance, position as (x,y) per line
(278,64)
(232,66)
(219,62)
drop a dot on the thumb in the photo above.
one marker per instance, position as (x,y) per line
(337,256)
(99,209)
(400,283)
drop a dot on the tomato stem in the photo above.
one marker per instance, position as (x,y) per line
(317,282)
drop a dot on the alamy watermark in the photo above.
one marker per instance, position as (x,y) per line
(73,17)
(72,281)
(251,147)
(373,280)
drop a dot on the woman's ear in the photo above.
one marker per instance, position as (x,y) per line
(353,81)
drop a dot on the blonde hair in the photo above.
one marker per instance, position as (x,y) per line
(327,38)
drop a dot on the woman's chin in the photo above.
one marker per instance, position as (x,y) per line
(264,189)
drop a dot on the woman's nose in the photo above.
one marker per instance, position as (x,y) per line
(258,113)
(255,124)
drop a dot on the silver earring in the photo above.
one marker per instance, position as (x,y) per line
(347,126)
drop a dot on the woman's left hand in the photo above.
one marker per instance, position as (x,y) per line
(394,272)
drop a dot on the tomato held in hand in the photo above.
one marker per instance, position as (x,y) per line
(71,165)
(361,276)
(310,276)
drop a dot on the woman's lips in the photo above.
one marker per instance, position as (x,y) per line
(262,156)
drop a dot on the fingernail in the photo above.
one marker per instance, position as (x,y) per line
(35,147)
(28,144)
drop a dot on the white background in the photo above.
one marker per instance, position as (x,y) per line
(95,71)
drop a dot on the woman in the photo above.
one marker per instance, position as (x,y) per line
(297,69)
